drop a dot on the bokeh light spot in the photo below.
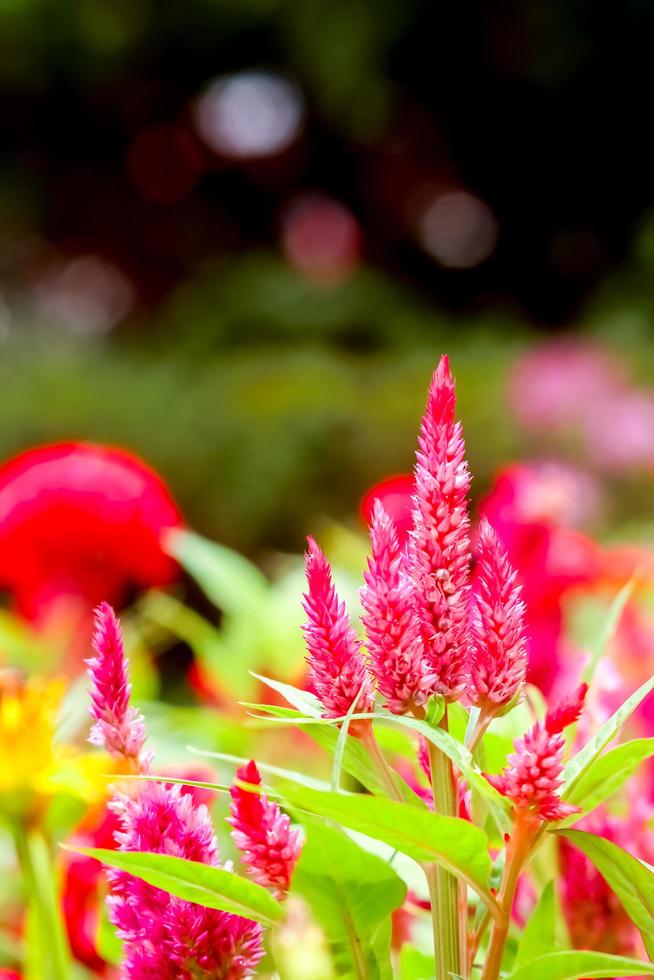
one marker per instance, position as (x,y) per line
(250,115)
(458,229)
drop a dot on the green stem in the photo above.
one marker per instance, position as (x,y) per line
(34,857)
(445,914)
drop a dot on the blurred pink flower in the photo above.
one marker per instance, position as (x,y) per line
(396,495)
(551,386)
(118,727)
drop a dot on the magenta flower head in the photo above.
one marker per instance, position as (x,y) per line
(263,834)
(338,668)
(532,778)
(440,542)
(403,670)
(498,661)
(118,728)
(164,936)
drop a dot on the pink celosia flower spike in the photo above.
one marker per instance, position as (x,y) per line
(263,834)
(440,542)
(338,669)
(498,661)
(532,778)
(164,936)
(118,728)
(403,670)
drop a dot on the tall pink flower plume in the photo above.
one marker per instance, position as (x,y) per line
(338,668)
(403,670)
(498,661)
(164,936)
(263,834)
(440,542)
(532,778)
(118,727)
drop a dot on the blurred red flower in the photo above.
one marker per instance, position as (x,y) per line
(81,521)
(396,496)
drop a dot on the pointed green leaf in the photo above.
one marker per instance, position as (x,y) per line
(456,844)
(538,936)
(572,965)
(579,763)
(233,583)
(609,627)
(607,774)
(632,882)
(203,884)
(352,894)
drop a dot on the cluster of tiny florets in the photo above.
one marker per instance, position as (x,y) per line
(338,672)
(118,728)
(498,660)
(427,631)
(532,777)
(404,672)
(263,834)
(163,936)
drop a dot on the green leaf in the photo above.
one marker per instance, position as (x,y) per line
(300,700)
(578,765)
(462,759)
(356,760)
(203,884)
(47,948)
(572,965)
(632,882)
(233,583)
(415,965)
(456,844)
(339,749)
(608,628)
(538,936)
(352,894)
(607,773)
(290,774)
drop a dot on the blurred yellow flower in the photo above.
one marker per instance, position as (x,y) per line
(32,763)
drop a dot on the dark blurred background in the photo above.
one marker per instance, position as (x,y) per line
(236,234)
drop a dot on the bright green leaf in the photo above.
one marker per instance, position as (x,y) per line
(352,894)
(212,887)
(538,936)
(579,763)
(456,844)
(572,965)
(607,773)
(415,965)
(632,882)
(233,583)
